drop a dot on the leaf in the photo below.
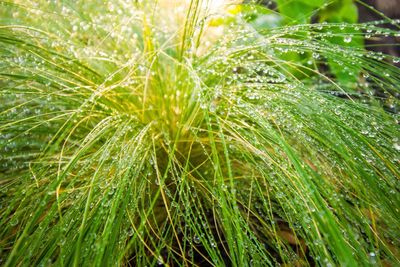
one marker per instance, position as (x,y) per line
(295,11)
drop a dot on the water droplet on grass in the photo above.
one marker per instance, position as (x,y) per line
(196,239)
(372,257)
(131,232)
(347,39)
(61,241)
(160,261)
(396,146)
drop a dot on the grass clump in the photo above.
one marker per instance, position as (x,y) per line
(137,133)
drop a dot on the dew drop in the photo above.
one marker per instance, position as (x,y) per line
(372,257)
(396,146)
(61,241)
(315,55)
(160,261)
(347,39)
(131,232)
(196,239)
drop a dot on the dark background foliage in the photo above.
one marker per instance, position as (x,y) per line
(390,8)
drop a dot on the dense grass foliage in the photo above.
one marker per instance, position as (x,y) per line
(140,133)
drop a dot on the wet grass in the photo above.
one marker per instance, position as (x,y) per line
(130,136)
